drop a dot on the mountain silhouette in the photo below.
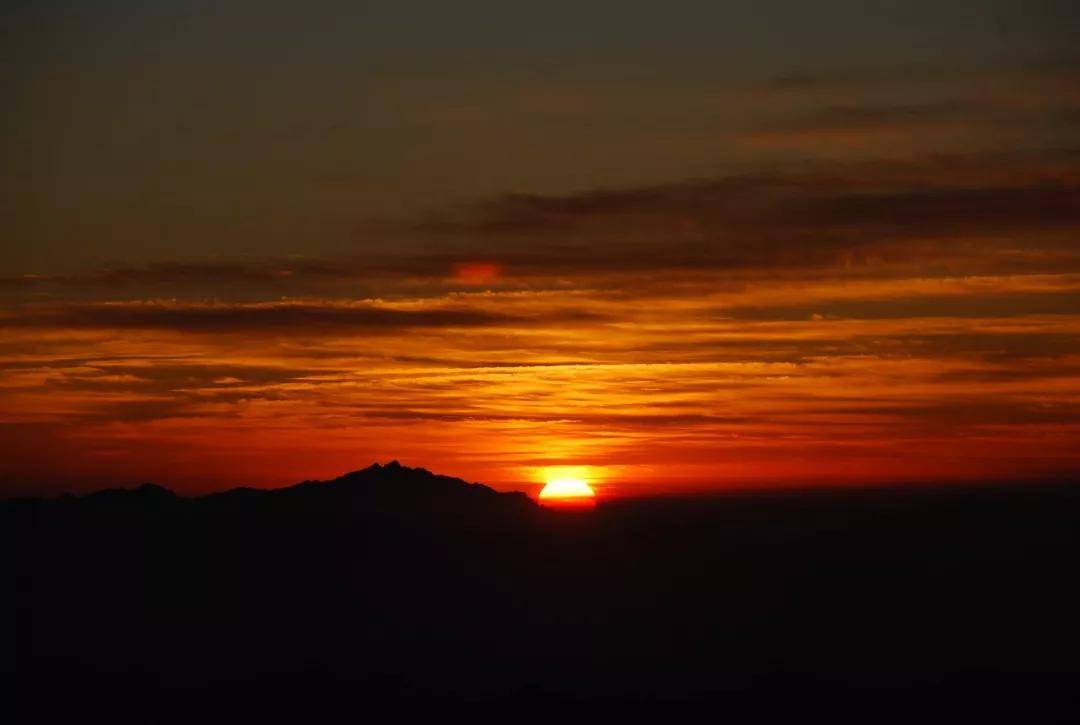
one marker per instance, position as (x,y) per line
(396,586)
(378,489)
(389,483)
(396,485)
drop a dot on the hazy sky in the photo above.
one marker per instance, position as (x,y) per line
(688,244)
(138,131)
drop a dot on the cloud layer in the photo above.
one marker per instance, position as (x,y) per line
(889,291)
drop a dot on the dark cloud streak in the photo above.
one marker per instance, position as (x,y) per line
(297,319)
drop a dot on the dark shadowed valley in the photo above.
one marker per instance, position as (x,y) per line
(394,586)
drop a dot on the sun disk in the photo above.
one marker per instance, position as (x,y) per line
(566,488)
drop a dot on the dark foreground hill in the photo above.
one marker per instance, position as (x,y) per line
(393,586)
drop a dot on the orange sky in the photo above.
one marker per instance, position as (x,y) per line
(846,254)
(659,380)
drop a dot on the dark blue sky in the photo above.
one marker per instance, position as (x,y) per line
(141,131)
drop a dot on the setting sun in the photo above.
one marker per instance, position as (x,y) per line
(566,488)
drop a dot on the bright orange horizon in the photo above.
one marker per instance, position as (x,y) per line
(683,381)
(671,388)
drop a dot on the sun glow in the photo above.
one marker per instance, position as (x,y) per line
(567,487)
(567,482)
(562,488)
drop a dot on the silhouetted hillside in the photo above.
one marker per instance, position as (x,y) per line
(386,487)
(392,585)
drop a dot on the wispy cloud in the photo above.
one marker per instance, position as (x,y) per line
(300,318)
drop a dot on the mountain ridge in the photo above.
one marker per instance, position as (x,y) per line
(391,482)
